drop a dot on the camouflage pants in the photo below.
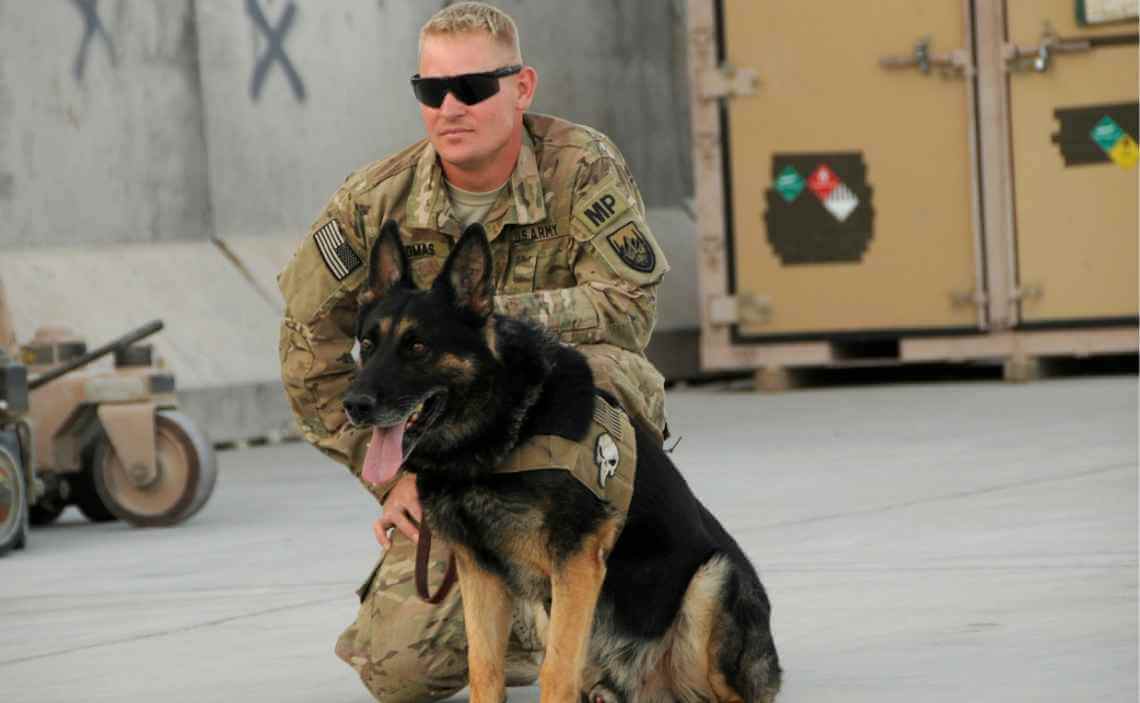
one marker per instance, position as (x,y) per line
(407,651)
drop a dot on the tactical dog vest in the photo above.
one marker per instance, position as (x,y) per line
(604,461)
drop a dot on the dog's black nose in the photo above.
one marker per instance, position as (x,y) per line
(359,407)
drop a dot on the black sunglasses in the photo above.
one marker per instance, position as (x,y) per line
(469,88)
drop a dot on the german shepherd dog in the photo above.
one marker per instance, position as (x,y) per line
(659,604)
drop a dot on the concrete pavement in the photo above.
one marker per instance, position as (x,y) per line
(939,542)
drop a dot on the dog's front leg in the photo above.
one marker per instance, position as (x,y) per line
(487,618)
(574,585)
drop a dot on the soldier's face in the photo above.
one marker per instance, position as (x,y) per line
(472,136)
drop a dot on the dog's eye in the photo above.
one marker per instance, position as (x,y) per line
(419,348)
(365,347)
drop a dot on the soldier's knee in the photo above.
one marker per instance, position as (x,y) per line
(406,673)
(406,677)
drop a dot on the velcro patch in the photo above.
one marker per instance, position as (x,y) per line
(338,256)
(608,417)
(633,248)
(602,207)
(417,249)
(537,233)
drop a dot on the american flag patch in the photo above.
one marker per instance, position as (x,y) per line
(608,417)
(338,255)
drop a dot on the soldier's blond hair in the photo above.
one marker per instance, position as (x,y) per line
(467,17)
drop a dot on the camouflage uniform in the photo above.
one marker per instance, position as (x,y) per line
(571,250)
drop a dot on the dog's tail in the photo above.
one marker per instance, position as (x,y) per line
(747,657)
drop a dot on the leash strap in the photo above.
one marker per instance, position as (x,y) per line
(423,558)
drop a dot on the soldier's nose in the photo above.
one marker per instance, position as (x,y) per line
(452,105)
(359,407)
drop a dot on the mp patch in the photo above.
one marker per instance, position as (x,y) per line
(338,256)
(600,208)
(633,248)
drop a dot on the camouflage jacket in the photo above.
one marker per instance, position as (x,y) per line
(569,239)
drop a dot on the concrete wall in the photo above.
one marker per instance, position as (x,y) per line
(187,145)
(101,139)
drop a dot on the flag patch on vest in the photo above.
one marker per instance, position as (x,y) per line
(338,256)
(633,248)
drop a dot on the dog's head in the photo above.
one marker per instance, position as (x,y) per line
(427,359)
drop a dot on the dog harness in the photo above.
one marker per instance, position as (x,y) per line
(604,461)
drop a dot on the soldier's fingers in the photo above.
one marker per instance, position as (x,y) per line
(381,533)
(405,525)
(414,509)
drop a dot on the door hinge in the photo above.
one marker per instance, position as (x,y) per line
(742,309)
(728,81)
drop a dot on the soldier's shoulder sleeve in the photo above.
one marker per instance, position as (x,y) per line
(607,211)
(327,263)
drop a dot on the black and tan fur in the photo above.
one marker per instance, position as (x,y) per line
(661,605)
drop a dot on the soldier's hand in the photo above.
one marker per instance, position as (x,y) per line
(401,510)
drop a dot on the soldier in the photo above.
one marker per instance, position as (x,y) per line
(571,251)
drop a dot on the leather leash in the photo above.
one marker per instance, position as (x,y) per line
(423,557)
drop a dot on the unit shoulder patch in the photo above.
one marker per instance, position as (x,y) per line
(335,251)
(601,207)
(631,252)
(633,248)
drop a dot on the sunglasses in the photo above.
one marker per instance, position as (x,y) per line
(468,88)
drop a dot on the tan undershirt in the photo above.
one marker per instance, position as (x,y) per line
(468,207)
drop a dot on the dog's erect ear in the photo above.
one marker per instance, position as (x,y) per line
(387,264)
(468,275)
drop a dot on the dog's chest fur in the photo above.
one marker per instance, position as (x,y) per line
(522,525)
(506,535)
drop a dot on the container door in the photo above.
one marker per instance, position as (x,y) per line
(850,192)
(1073,114)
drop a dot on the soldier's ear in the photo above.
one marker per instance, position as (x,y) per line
(387,264)
(468,276)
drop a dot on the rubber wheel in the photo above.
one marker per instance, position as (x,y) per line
(87,499)
(13,504)
(187,472)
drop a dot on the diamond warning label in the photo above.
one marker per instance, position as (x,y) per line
(1106,133)
(840,202)
(1125,152)
(837,225)
(822,181)
(789,184)
(1116,143)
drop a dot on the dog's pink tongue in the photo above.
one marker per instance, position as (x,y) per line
(385,454)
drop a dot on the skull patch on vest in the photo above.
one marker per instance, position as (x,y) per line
(607,457)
